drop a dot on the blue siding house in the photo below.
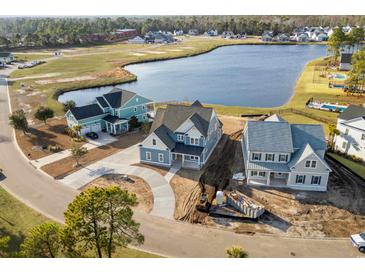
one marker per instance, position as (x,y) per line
(111,112)
(183,134)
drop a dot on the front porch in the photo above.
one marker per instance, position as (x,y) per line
(273,179)
(189,156)
(115,125)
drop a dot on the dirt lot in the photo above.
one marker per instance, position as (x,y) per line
(138,187)
(41,136)
(66,166)
(338,212)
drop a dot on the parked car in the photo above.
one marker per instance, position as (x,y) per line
(92,135)
(358,240)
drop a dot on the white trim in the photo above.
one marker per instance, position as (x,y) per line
(158,158)
(154,163)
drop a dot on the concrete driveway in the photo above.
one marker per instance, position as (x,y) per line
(121,163)
(104,139)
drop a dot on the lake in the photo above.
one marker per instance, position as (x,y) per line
(246,75)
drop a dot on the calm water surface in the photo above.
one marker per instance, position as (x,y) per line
(251,75)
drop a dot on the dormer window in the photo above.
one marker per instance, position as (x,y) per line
(180,137)
(194,141)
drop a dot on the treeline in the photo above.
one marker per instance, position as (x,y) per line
(67,30)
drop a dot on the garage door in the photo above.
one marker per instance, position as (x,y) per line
(96,128)
(85,129)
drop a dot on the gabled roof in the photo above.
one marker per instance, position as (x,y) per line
(303,153)
(175,115)
(197,104)
(352,112)
(118,97)
(201,124)
(275,118)
(346,58)
(162,132)
(86,111)
(114,119)
(102,102)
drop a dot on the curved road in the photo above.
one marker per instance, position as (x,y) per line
(165,237)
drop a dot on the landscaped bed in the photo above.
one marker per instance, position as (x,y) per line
(36,144)
(66,166)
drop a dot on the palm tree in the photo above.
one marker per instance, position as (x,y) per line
(333,132)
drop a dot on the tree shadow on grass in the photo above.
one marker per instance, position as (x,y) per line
(15,241)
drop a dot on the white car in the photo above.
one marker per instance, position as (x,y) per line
(358,240)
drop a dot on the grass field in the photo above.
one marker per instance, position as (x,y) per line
(16,219)
(357,168)
(101,65)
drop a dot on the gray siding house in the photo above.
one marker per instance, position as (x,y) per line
(183,134)
(280,154)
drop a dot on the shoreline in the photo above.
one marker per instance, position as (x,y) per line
(57,93)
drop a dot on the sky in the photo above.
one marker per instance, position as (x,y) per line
(181,7)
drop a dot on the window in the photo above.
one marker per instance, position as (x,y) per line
(344,145)
(148,155)
(283,157)
(311,164)
(180,137)
(154,142)
(135,109)
(363,137)
(194,158)
(194,141)
(270,157)
(262,173)
(346,131)
(253,173)
(256,156)
(316,180)
(143,107)
(300,179)
(160,157)
(137,99)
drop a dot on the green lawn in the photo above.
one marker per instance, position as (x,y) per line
(357,168)
(16,219)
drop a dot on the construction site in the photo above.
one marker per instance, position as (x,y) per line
(212,197)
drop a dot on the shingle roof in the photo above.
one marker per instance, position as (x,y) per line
(191,150)
(5,54)
(86,111)
(197,104)
(352,112)
(118,97)
(114,119)
(346,58)
(175,115)
(304,134)
(269,136)
(162,132)
(102,102)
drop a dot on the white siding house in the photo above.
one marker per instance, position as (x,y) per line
(351,125)
(280,154)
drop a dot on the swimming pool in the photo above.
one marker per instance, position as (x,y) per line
(340,76)
(333,107)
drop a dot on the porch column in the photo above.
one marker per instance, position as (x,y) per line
(268,178)
(114,130)
(127,126)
